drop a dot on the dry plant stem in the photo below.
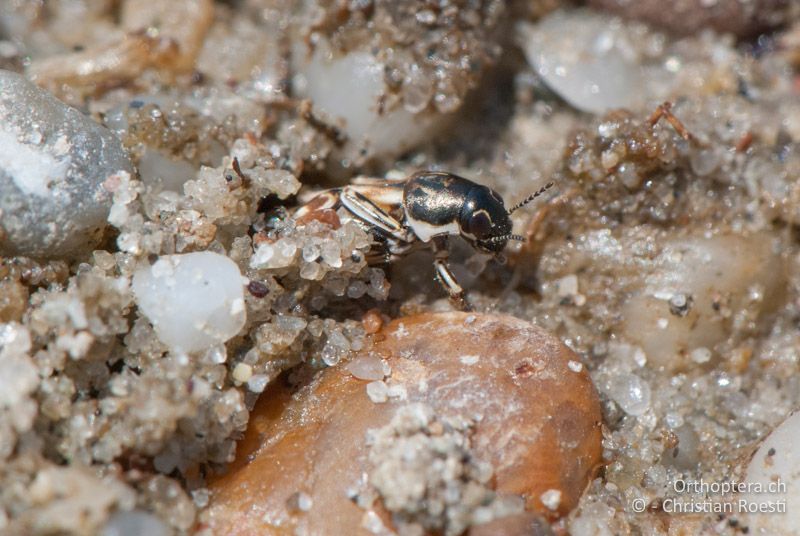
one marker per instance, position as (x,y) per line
(105,66)
(664,111)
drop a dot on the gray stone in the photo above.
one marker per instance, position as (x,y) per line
(53,162)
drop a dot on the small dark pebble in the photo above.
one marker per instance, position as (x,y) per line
(681,304)
(257,289)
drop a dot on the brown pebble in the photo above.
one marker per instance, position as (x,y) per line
(13,300)
(539,430)
(686,17)
(257,289)
(744,142)
(325,215)
(262,238)
(372,321)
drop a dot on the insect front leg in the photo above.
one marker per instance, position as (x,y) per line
(445,275)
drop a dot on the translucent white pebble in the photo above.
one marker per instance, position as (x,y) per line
(18,376)
(134,523)
(349,87)
(551,499)
(630,392)
(378,392)
(193,300)
(242,372)
(776,468)
(585,58)
(161,170)
(366,367)
(716,272)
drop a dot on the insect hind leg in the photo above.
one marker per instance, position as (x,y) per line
(371,213)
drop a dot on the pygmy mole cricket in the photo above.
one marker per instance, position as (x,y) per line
(425,208)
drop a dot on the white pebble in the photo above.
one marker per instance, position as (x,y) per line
(191,299)
(575,366)
(700,355)
(631,393)
(378,392)
(76,345)
(164,171)
(332,254)
(311,252)
(348,88)
(200,497)
(373,523)
(593,519)
(300,502)
(278,255)
(469,359)
(368,367)
(216,354)
(262,256)
(609,159)
(134,523)
(356,289)
(312,271)
(776,463)
(282,182)
(18,374)
(639,357)
(551,499)
(242,372)
(662,319)
(568,286)
(585,59)
(257,383)
(304,502)
(396,390)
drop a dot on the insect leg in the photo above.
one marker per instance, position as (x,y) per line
(445,276)
(371,213)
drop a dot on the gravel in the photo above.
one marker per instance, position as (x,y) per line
(194,300)
(665,259)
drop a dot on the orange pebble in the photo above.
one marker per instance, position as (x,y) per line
(536,420)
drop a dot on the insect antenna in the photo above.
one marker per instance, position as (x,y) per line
(503,238)
(531,197)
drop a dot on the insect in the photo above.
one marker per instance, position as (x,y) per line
(426,208)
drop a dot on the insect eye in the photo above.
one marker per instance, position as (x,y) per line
(479,224)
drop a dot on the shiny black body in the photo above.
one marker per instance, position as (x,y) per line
(436,198)
(442,200)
